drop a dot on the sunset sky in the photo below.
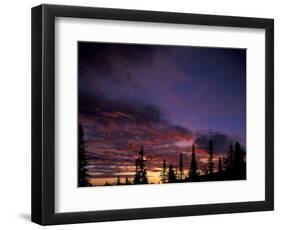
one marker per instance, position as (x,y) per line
(162,97)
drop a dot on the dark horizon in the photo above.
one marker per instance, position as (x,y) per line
(162,97)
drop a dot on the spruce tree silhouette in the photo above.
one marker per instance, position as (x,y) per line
(235,164)
(239,166)
(127,181)
(210,160)
(220,165)
(228,162)
(163,175)
(83,175)
(140,176)
(118,181)
(181,172)
(192,173)
(237,155)
(171,174)
(144,179)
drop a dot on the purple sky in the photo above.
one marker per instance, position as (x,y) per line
(164,97)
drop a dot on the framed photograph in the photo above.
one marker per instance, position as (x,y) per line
(141,114)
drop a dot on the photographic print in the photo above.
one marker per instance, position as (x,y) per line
(157,114)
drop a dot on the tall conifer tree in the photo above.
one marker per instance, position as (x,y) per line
(140,176)
(220,166)
(171,174)
(210,160)
(181,172)
(163,175)
(83,175)
(193,165)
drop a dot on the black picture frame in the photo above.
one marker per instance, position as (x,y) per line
(43,114)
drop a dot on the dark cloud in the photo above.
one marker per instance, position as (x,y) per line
(98,106)
(221,141)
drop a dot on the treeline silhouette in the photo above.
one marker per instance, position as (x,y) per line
(230,167)
(83,174)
